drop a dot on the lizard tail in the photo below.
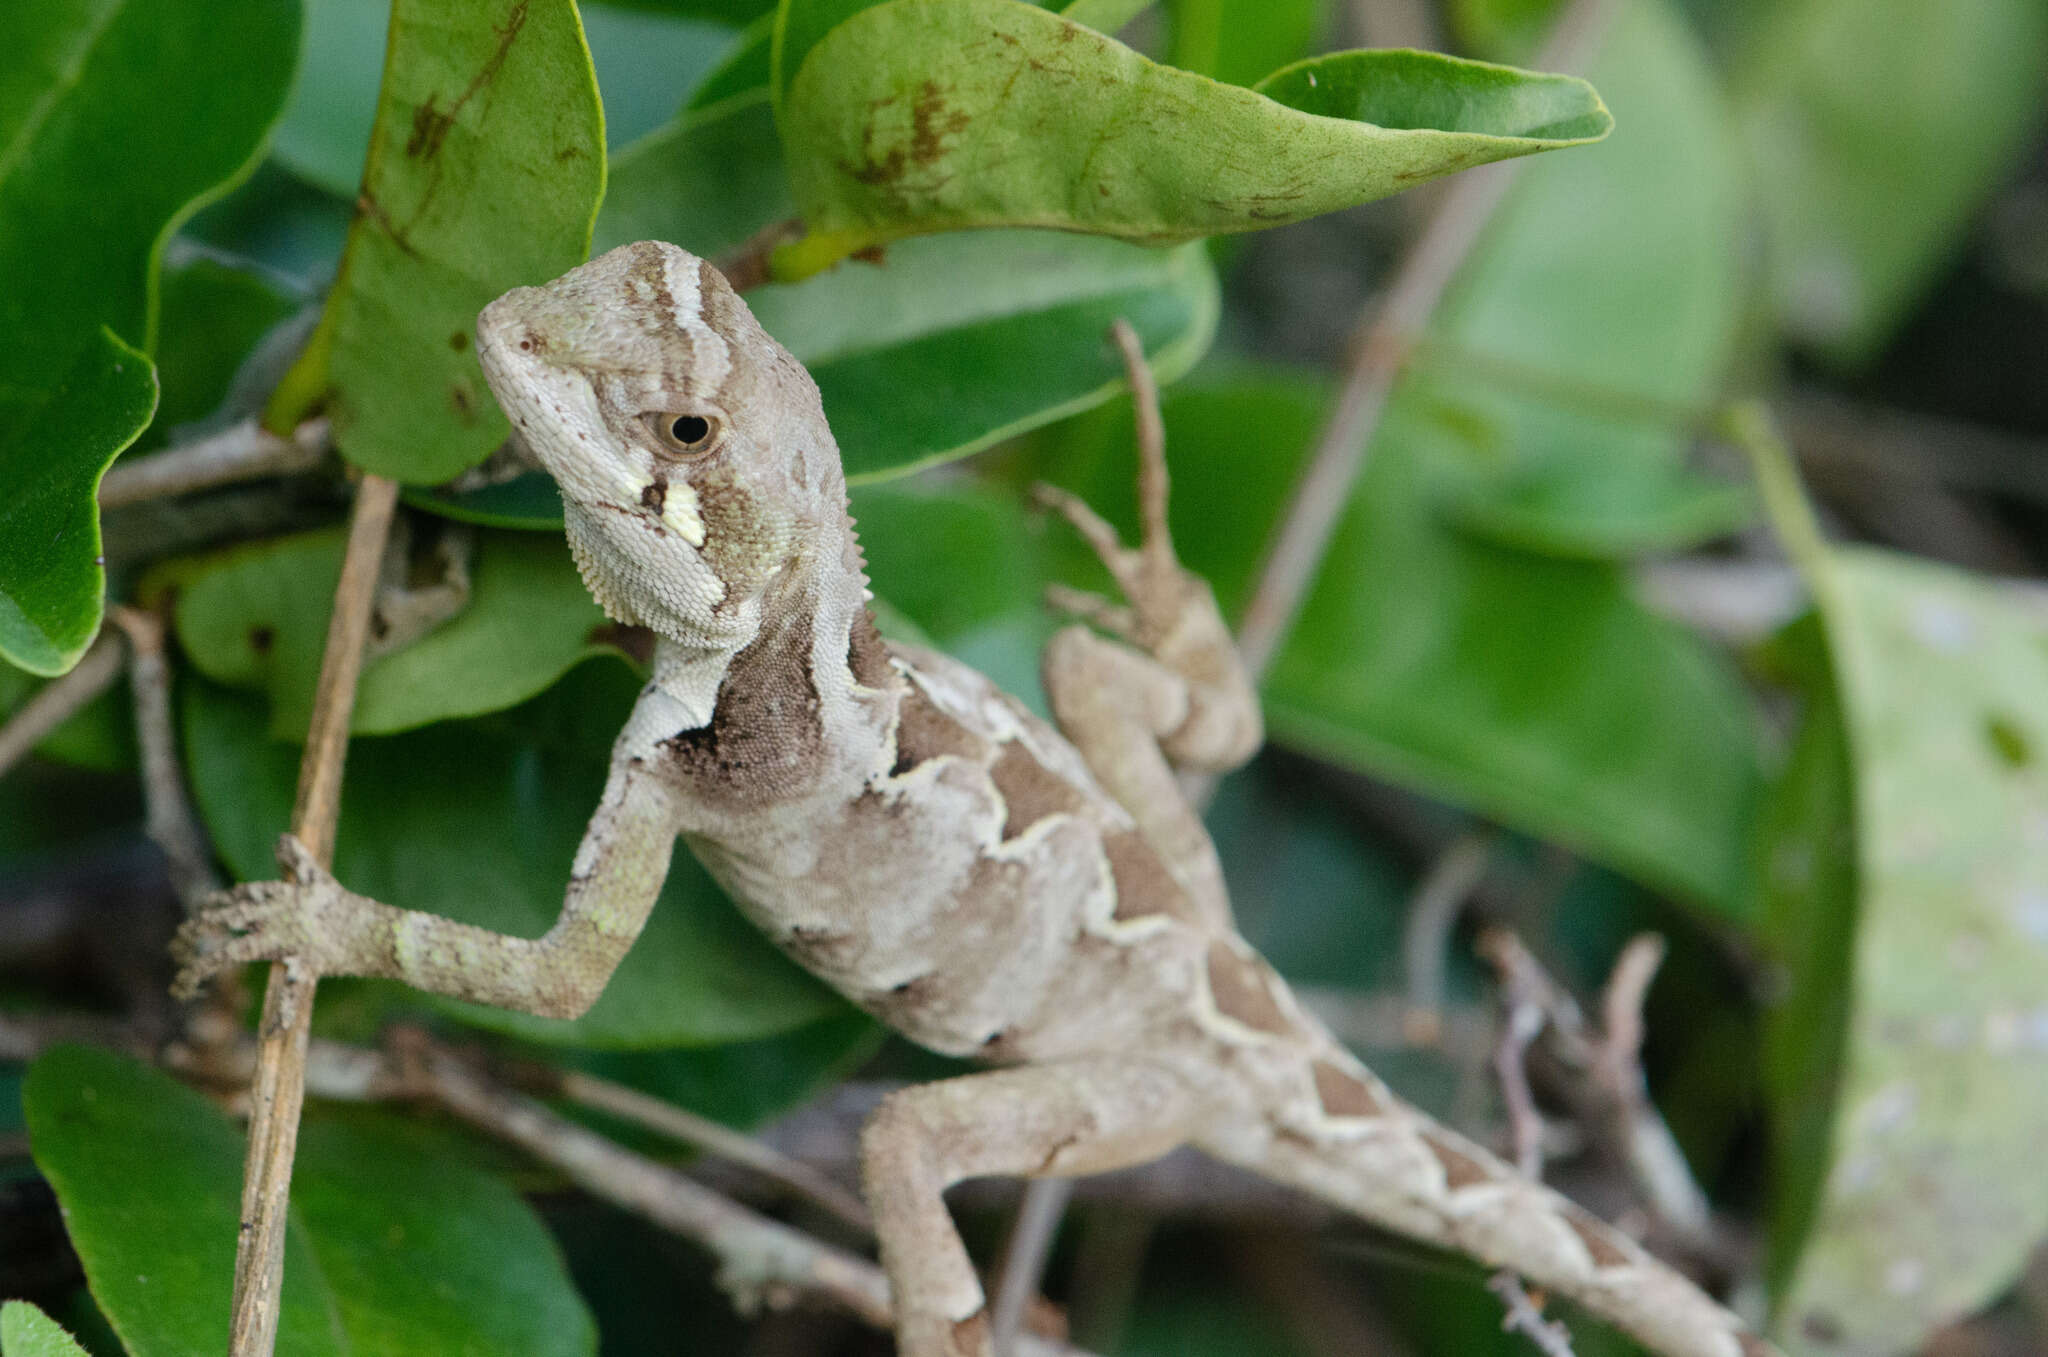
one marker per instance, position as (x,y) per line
(1363,1150)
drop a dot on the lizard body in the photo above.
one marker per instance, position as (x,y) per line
(1044,900)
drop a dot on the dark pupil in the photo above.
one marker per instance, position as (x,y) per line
(690,428)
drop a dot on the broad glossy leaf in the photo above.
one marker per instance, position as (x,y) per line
(213,314)
(256,617)
(1806,880)
(944,345)
(52,581)
(485,167)
(1877,127)
(1534,690)
(954,342)
(708,180)
(1934,1195)
(26,1331)
(1031,126)
(117,119)
(391,1250)
(479,820)
(1600,309)
(746,1083)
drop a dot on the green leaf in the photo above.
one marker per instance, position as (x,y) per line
(956,342)
(1241,41)
(945,345)
(391,1250)
(484,173)
(214,313)
(479,820)
(256,617)
(1933,1197)
(52,581)
(660,184)
(118,118)
(1599,312)
(1534,690)
(26,1331)
(326,126)
(1877,129)
(1033,124)
(1806,880)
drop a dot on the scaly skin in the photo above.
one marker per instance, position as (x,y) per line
(1041,899)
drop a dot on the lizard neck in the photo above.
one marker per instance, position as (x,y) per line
(800,703)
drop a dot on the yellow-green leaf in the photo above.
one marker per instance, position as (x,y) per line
(930,115)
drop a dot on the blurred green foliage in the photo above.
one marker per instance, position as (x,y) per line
(1784,181)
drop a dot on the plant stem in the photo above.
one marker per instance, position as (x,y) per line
(278,1090)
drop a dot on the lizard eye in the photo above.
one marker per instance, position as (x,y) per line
(685,433)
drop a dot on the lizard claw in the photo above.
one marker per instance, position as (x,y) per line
(255,921)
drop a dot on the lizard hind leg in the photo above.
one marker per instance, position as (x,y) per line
(1031,1121)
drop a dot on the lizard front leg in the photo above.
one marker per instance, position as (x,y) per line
(1171,692)
(313,921)
(1035,1121)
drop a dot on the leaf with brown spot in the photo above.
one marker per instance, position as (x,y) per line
(1038,115)
(480,99)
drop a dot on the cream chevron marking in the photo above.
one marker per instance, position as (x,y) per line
(1042,899)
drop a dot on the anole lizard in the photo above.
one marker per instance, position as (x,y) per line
(1045,901)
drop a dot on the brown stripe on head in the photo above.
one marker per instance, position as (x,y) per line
(1461,1170)
(1144,888)
(924,731)
(1239,989)
(1029,789)
(1593,1234)
(1344,1094)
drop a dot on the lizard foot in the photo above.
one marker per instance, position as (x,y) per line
(260,921)
(1165,597)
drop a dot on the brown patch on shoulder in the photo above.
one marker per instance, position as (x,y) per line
(1144,887)
(925,731)
(1344,1094)
(867,654)
(766,738)
(1593,1235)
(1461,1170)
(1029,789)
(1238,987)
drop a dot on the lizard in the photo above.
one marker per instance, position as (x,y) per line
(1044,900)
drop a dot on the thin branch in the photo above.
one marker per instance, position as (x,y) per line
(665,1118)
(748,265)
(1433,912)
(1024,1258)
(1604,1083)
(278,1091)
(241,452)
(761,1262)
(60,699)
(1521,1025)
(1379,350)
(172,823)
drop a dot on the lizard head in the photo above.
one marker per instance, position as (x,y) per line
(695,465)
